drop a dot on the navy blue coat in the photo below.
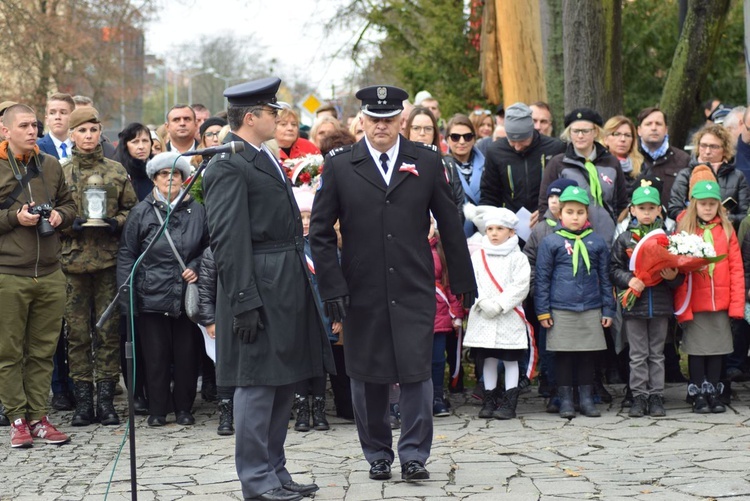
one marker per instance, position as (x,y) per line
(557,289)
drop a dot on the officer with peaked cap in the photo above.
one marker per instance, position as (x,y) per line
(384,187)
(269,331)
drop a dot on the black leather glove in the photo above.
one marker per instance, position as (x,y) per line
(247,324)
(78,224)
(112,222)
(468,298)
(335,309)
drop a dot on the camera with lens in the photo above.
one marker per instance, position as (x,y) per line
(43,227)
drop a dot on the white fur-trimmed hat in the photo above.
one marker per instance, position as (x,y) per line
(165,161)
(500,216)
(304,199)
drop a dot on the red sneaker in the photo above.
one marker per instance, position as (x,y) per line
(45,431)
(19,434)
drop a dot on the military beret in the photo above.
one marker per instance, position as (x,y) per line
(382,101)
(83,115)
(254,93)
(5,105)
(584,114)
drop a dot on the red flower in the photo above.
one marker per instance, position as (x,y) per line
(304,178)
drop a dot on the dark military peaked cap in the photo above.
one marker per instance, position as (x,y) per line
(255,93)
(584,114)
(382,101)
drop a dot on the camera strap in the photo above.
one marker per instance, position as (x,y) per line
(169,238)
(22,180)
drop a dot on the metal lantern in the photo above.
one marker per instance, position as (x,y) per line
(95,201)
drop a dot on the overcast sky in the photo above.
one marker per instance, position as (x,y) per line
(290,29)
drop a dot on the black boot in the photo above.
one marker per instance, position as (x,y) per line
(489,403)
(553,405)
(105,406)
(567,410)
(226,417)
(588,408)
(320,422)
(506,408)
(4,421)
(302,406)
(639,407)
(695,394)
(599,390)
(84,412)
(712,397)
(208,385)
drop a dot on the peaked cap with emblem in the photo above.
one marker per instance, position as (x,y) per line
(646,195)
(706,189)
(382,101)
(254,93)
(584,114)
(575,194)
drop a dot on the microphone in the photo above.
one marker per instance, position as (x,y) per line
(230,147)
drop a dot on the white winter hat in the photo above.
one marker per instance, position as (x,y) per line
(500,216)
(421,96)
(165,161)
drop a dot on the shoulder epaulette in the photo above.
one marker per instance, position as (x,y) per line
(338,150)
(427,146)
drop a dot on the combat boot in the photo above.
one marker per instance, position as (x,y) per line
(84,411)
(588,408)
(506,408)
(489,403)
(4,421)
(105,405)
(567,410)
(226,417)
(319,420)
(302,407)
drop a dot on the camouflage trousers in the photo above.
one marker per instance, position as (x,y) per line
(93,354)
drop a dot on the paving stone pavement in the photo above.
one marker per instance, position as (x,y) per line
(538,456)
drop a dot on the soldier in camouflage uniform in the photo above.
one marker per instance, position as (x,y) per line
(89,258)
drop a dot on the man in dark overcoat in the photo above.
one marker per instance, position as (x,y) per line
(382,190)
(269,332)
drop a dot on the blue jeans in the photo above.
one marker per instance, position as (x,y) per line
(438,362)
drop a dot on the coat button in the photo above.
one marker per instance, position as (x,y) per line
(387,202)
(391,270)
(241,294)
(393,303)
(389,236)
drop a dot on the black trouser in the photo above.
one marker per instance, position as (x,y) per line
(705,367)
(341,385)
(171,353)
(575,367)
(315,386)
(225,392)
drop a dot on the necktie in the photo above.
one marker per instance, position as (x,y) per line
(384,162)
(579,248)
(64,148)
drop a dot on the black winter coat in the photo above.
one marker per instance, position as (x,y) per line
(656,301)
(256,239)
(207,289)
(511,179)
(159,287)
(666,168)
(731,182)
(386,268)
(459,196)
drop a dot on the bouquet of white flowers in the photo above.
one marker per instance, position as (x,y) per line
(686,244)
(304,171)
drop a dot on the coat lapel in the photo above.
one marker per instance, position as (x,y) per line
(407,154)
(365,166)
(259,159)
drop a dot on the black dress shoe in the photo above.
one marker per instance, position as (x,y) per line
(380,469)
(302,489)
(414,470)
(278,494)
(185,418)
(140,406)
(62,402)
(154,420)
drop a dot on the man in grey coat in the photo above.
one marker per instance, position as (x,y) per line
(269,331)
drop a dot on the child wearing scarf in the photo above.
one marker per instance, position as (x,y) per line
(497,326)
(713,296)
(574,300)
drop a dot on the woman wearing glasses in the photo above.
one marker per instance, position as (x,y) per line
(593,167)
(210,130)
(713,146)
(483,122)
(619,138)
(469,160)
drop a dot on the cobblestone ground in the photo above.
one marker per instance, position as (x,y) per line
(538,456)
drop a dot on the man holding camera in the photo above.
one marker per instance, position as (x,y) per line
(33,200)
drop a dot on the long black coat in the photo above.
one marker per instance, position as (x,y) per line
(386,262)
(256,239)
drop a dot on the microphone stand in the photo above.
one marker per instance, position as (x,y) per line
(124,290)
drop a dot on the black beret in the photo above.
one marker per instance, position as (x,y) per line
(584,114)
(254,93)
(382,101)
(210,122)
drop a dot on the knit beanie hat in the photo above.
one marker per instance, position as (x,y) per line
(500,216)
(557,186)
(165,161)
(700,173)
(646,195)
(575,194)
(304,199)
(519,125)
(706,189)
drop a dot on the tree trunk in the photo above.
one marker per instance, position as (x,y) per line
(552,28)
(680,97)
(489,60)
(521,49)
(592,48)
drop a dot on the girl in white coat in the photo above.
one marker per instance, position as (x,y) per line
(497,326)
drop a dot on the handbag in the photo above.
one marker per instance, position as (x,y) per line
(192,298)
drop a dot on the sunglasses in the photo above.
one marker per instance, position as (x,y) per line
(469,136)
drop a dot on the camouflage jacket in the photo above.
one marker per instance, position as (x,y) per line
(95,248)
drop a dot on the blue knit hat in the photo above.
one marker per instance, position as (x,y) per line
(557,186)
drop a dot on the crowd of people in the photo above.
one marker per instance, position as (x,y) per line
(550,223)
